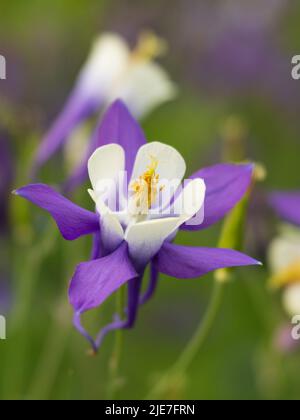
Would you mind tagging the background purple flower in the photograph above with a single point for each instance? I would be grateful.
(284, 342)
(5, 294)
(227, 48)
(6, 179)
(287, 206)
(233, 47)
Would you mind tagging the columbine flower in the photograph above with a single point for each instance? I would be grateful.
(287, 205)
(284, 252)
(140, 230)
(111, 71)
(284, 258)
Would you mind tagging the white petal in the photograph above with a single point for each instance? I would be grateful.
(146, 238)
(291, 299)
(171, 164)
(104, 167)
(92, 195)
(144, 87)
(171, 169)
(108, 60)
(190, 203)
(284, 250)
(112, 233)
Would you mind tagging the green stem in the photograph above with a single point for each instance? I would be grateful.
(27, 273)
(190, 352)
(203, 330)
(56, 340)
(114, 363)
(50, 360)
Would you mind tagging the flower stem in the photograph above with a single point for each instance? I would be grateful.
(203, 330)
(178, 370)
(115, 359)
(56, 339)
(50, 359)
(27, 271)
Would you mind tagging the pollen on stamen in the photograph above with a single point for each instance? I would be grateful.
(145, 188)
(149, 47)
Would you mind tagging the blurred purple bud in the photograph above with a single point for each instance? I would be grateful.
(283, 340)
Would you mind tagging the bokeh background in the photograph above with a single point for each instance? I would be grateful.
(232, 63)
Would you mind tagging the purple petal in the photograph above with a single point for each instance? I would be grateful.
(97, 249)
(94, 281)
(134, 288)
(80, 328)
(117, 126)
(185, 262)
(226, 184)
(149, 293)
(76, 110)
(72, 220)
(287, 205)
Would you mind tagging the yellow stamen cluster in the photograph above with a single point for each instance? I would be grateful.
(145, 187)
(290, 275)
(149, 46)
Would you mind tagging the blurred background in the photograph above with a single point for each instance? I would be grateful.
(231, 62)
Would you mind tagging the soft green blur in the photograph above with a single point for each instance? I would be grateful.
(44, 357)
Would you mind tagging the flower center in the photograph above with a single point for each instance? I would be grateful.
(149, 46)
(290, 275)
(144, 189)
